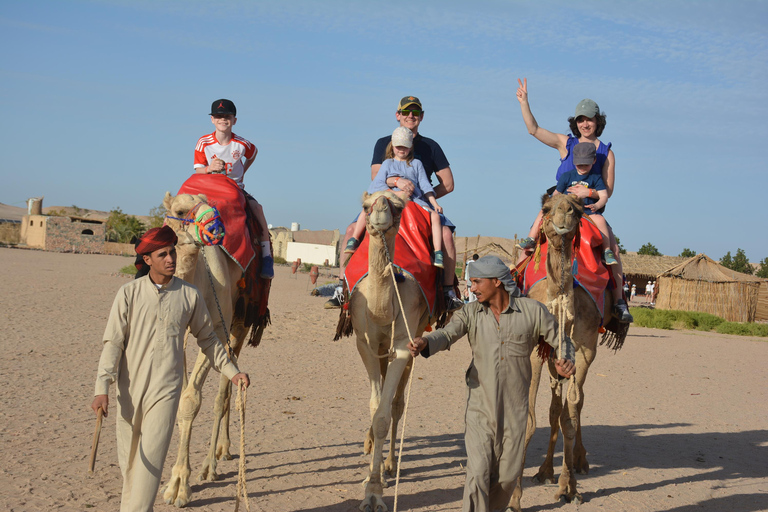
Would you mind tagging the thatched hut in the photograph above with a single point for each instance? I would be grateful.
(641, 268)
(701, 284)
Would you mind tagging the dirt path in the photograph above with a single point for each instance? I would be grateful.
(676, 421)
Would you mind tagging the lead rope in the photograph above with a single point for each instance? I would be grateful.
(241, 398)
(410, 378)
(242, 395)
(564, 315)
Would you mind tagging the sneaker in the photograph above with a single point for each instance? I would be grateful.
(267, 267)
(352, 244)
(526, 243)
(452, 303)
(610, 259)
(438, 259)
(337, 300)
(622, 312)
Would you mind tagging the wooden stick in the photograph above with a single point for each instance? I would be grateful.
(95, 446)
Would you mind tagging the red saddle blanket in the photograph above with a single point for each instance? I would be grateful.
(588, 269)
(413, 254)
(224, 195)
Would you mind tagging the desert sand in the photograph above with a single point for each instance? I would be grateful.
(675, 421)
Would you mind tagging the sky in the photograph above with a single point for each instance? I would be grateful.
(104, 101)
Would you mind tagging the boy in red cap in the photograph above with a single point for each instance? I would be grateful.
(143, 353)
(224, 152)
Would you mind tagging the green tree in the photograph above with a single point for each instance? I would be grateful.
(649, 249)
(122, 227)
(727, 260)
(763, 270)
(741, 263)
(157, 216)
(687, 253)
(622, 250)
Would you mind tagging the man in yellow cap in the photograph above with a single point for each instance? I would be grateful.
(143, 352)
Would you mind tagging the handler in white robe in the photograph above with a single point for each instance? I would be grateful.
(143, 352)
(503, 329)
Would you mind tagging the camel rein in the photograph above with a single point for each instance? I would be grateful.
(561, 303)
(392, 348)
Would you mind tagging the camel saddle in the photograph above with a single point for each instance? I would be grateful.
(241, 240)
(587, 268)
(413, 254)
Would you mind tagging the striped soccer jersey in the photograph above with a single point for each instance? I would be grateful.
(207, 147)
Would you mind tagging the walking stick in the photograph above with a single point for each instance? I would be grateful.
(95, 446)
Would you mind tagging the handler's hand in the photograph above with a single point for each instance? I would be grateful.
(406, 186)
(100, 401)
(417, 345)
(216, 165)
(565, 367)
(241, 377)
(579, 191)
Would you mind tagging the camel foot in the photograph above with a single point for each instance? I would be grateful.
(373, 503)
(177, 492)
(581, 466)
(565, 498)
(208, 471)
(390, 467)
(222, 451)
(543, 479)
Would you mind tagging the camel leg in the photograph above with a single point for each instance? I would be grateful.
(178, 492)
(530, 429)
(546, 473)
(580, 463)
(373, 501)
(374, 368)
(398, 406)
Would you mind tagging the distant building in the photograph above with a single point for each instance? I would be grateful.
(313, 247)
(63, 234)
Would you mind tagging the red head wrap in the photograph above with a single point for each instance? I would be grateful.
(156, 238)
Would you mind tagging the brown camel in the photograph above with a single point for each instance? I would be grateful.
(382, 338)
(221, 284)
(562, 215)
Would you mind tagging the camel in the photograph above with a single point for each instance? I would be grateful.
(375, 313)
(562, 215)
(221, 284)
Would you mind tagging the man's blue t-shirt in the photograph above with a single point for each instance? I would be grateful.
(427, 150)
(591, 181)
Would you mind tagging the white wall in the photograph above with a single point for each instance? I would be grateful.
(311, 253)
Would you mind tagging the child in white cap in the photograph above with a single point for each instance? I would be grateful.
(400, 163)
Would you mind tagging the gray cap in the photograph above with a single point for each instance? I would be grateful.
(584, 153)
(587, 108)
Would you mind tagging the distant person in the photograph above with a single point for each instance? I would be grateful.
(224, 152)
(648, 291)
(653, 293)
(633, 293)
(143, 353)
(587, 124)
(409, 115)
(470, 296)
(502, 329)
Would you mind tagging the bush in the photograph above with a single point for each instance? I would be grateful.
(279, 260)
(671, 319)
(129, 269)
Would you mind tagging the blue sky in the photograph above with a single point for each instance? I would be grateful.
(105, 100)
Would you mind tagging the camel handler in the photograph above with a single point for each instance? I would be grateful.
(503, 329)
(144, 353)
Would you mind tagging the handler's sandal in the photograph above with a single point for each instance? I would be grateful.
(267, 267)
(526, 243)
(610, 259)
(352, 244)
(622, 312)
(438, 259)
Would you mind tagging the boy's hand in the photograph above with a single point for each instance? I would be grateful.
(216, 165)
(592, 207)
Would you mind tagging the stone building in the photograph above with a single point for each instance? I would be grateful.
(63, 234)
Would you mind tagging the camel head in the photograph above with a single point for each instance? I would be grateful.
(179, 207)
(382, 212)
(562, 215)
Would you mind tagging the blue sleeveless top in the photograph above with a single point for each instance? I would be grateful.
(566, 164)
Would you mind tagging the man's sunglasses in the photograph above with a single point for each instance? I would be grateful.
(416, 113)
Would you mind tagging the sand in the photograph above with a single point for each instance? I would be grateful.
(675, 421)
